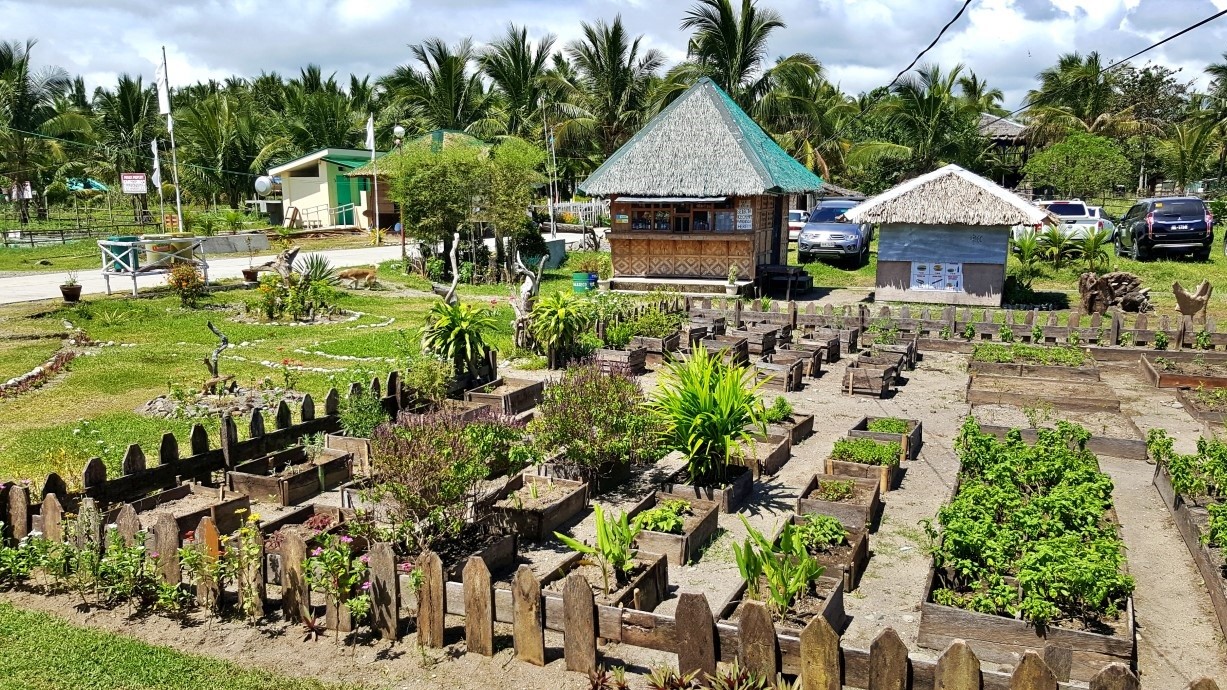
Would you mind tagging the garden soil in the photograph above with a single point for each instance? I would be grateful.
(1178, 636)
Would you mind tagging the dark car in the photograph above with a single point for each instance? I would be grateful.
(826, 235)
(1171, 225)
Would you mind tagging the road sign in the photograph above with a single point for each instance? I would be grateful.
(133, 183)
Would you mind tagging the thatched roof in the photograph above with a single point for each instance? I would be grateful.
(829, 189)
(1001, 129)
(948, 196)
(702, 145)
(436, 140)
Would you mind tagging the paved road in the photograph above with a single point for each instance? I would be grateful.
(36, 286)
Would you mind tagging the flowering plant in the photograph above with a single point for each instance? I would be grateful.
(333, 569)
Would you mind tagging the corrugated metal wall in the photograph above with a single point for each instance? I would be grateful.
(948, 244)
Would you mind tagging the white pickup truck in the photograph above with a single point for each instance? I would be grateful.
(1076, 217)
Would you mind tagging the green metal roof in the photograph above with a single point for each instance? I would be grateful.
(703, 144)
(352, 161)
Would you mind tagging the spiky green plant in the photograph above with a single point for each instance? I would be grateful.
(1057, 247)
(709, 410)
(1093, 249)
(557, 321)
(457, 332)
(612, 552)
(316, 268)
(1029, 250)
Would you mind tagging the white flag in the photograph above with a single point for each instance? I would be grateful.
(370, 133)
(163, 90)
(157, 166)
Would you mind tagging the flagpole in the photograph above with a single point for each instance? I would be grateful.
(375, 175)
(174, 158)
(157, 168)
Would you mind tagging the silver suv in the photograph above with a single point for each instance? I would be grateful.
(825, 235)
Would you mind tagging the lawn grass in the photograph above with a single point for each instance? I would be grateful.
(20, 356)
(39, 652)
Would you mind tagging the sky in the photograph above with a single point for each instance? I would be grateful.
(861, 43)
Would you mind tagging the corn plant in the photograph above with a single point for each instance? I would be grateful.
(708, 409)
(613, 551)
(786, 566)
(457, 333)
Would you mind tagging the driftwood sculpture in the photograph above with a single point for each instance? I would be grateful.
(210, 362)
(449, 293)
(1124, 291)
(283, 265)
(523, 305)
(1196, 303)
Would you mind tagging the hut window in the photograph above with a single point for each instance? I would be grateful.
(641, 220)
(662, 221)
(701, 222)
(724, 221)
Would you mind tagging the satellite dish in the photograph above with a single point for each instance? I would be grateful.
(264, 185)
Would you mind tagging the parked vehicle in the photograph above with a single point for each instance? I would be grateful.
(1076, 217)
(826, 234)
(1172, 225)
(796, 221)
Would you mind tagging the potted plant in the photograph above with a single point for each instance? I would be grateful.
(250, 275)
(70, 289)
(731, 289)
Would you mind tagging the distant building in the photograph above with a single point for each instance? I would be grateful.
(1010, 147)
(944, 237)
(317, 192)
(699, 191)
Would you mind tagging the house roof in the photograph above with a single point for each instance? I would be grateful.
(347, 157)
(701, 145)
(948, 196)
(829, 189)
(1000, 129)
(436, 140)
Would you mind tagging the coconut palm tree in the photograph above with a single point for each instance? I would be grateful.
(220, 147)
(125, 122)
(446, 90)
(934, 125)
(34, 108)
(604, 99)
(1188, 151)
(976, 92)
(1077, 94)
(517, 68)
(1218, 72)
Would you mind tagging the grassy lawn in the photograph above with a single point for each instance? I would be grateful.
(20, 356)
(38, 652)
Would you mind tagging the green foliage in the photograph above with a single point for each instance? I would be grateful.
(1081, 165)
(1216, 527)
(785, 566)
(613, 553)
(557, 321)
(654, 323)
(335, 569)
(668, 517)
(888, 425)
(1037, 334)
(296, 297)
(1202, 340)
(529, 242)
(1042, 355)
(1057, 247)
(1093, 249)
(618, 335)
(316, 268)
(867, 451)
(835, 490)
(436, 188)
(885, 332)
(780, 410)
(1005, 333)
(1027, 535)
(458, 332)
(360, 415)
(187, 283)
(1198, 475)
(597, 419)
(512, 171)
(428, 377)
(708, 409)
(1161, 340)
(821, 532)
(1030, 252)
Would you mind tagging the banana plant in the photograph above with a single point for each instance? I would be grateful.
(786, 566)
(613, 551)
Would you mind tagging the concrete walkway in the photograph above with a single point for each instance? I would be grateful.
(36, 286)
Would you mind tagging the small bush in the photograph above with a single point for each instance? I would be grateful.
(888, 425)
(780, 410)
(866, 451)
(360, 415)
(187, 283)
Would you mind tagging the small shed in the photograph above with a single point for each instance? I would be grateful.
(944, 237)
(318, 193)
(700, 192)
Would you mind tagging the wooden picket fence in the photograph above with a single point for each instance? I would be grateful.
(1115, 329)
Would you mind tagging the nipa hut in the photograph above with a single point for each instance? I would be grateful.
(699, 192)
(944, 237)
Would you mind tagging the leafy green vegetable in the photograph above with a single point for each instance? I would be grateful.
(780, 410)
(1029, 354)
(835, 489)
(668, 517)
(888, 425)
(821, 532)
(867, 451)
(613, 551)
(786, 566)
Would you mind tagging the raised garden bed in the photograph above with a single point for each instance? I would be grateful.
(1057, 363)
(797, 427)
(188, 503)
(659, 350)
(1166, 372)
(908, 349)
(1021, 391)
(357, 446)
(467, 410)
(729, 496)
(606, 477)
(290, 477)
(867, 380)
(826, 599)
(759, 339)
(509, 396)
(632, 359)
(646, 587)
(810, 360)
(308, 522)
(910, 440)
(1127, 448)
(828, 345)
(867, 458)
(535, 507)
(882, 360)
(780, 377)
(1206, 407)
(352, 499)
(498, 548)
(770, 454)
(697, 529)
(854, 501)
(845, 562)
(1192, 519)
(732, 349)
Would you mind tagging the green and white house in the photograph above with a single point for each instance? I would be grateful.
(317, 191)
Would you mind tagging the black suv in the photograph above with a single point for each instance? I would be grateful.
(1176, 225)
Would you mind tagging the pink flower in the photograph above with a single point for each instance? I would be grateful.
(366, 586)
(346, 539)
(153, 554)
(405, 567)
(365, 558)
(317, 551)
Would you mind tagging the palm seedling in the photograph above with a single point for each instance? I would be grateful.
(1027, 248)
(457, 332)
(613, 553)
(557, 321)
(1094, 250)
(1057, 246)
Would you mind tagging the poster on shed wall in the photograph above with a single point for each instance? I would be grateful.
(935, 276)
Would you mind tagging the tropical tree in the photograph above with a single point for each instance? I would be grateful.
(934, 126)
(1188, 151)
(517, 68)
(125, 122)
(1079, 95)
(446, 90)
(435, 189)
(557, 321)
(35, 120)
(979, 95)
(1081, 165)
(220, 147)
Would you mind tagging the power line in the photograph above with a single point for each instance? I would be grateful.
(1118, 63)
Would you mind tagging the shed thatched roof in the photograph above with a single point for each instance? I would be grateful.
(829, 189)
(1000, 128)
(948, 196)
(702, 145)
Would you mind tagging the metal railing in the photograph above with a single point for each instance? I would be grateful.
(150, 257)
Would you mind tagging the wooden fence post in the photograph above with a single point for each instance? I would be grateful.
(134, 460)
(888, 662)
(208, 592)
(478, 607)
(957, 668)
(1060, 660)
(199, 440)
(1032, 674)
(53, 519)
(166, 546)
(127, 524)
(759, 651)
(1115, 677)
(18, 515)
(528, 623)
(255, 575)
(255, 426)
(579, 624)
(431, 604)
(696, 648)
(295, 596)
(284, 418)
(308, 408)
(229, 439)
(168, 449)
(820, 661)
(332, 403)
(94, 474)
(90, 526)
(385, 591)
